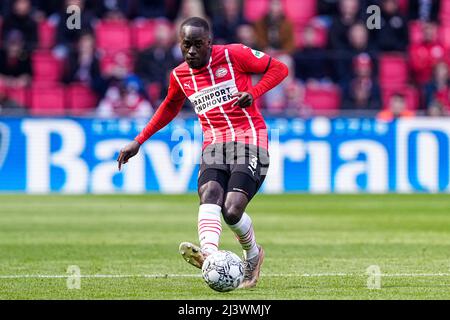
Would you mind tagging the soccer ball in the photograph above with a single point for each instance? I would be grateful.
(223, 271)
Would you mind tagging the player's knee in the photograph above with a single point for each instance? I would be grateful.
(232, 211)
(212, 193)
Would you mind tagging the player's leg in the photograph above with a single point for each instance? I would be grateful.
(246, 177)
(241, 224)
(211, 185)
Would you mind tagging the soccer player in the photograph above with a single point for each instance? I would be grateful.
(217, 81)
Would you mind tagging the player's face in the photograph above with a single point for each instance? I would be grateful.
(195, 45)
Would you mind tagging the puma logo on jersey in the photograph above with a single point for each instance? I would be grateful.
(187, 85)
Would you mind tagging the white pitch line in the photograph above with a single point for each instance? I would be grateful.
(163, 276)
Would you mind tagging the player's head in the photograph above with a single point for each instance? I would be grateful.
(195, 42)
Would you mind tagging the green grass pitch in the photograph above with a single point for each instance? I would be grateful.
(317, 246)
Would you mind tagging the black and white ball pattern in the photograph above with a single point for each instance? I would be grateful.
(223, 271)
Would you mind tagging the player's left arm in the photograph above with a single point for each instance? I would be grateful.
(253, 61)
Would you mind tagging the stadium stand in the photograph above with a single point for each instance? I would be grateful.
(18, 94)
(300, 12)
(46, 67)
(81, 99)
(119, 41)
(394, 71)
(48, 99)
(324, 99)
(113, 35)
(255, 9)
(46, 34)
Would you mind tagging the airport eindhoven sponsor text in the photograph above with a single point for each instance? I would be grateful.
(316, 155)
(214, 96)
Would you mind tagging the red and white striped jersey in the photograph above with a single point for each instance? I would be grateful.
(210, 89)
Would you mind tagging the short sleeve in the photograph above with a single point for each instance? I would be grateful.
(248, 59)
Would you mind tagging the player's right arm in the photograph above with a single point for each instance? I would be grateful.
(168, 110)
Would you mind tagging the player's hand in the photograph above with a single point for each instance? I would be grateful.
(130, 150)
(244, 100)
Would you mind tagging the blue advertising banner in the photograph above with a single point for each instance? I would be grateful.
(319, 155)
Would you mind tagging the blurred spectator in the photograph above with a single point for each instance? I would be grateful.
(48, 7)
(327, 7)
(155, 63)
(116, 9)
(397, 108)
(393, 35)
(310, 61)
(438, 90)
(274, 32)
(225, 24)
(66, 38)
(190, 8)
(424, 56)
(349, 14)
(83, 65)
(436, 109)
(117, 67)
(285, 98)
(15, 62)
(363, 92)
(358, 36)
(8, 105)
(21, 19)
(125, 99)
(246, 35)
(151, 8)
(425, 10)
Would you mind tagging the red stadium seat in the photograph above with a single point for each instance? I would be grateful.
(119, 59)
(19, 95)
(113, 35)
(154, 92)
(394, 71)
(445, 12)
(143, 33)
(80, 98)
(300, 12)
(323, 99)
(3, 88)
(46, 35)
(403, 6)
(444, 36)
(411, 94)
(321, 36)
(255, 9)
(46, 67)
(47, 99)
(415, 32)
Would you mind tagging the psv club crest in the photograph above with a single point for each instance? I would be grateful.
(221, 72)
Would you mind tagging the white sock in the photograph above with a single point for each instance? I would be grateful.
(246, 236)
(209, 227)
